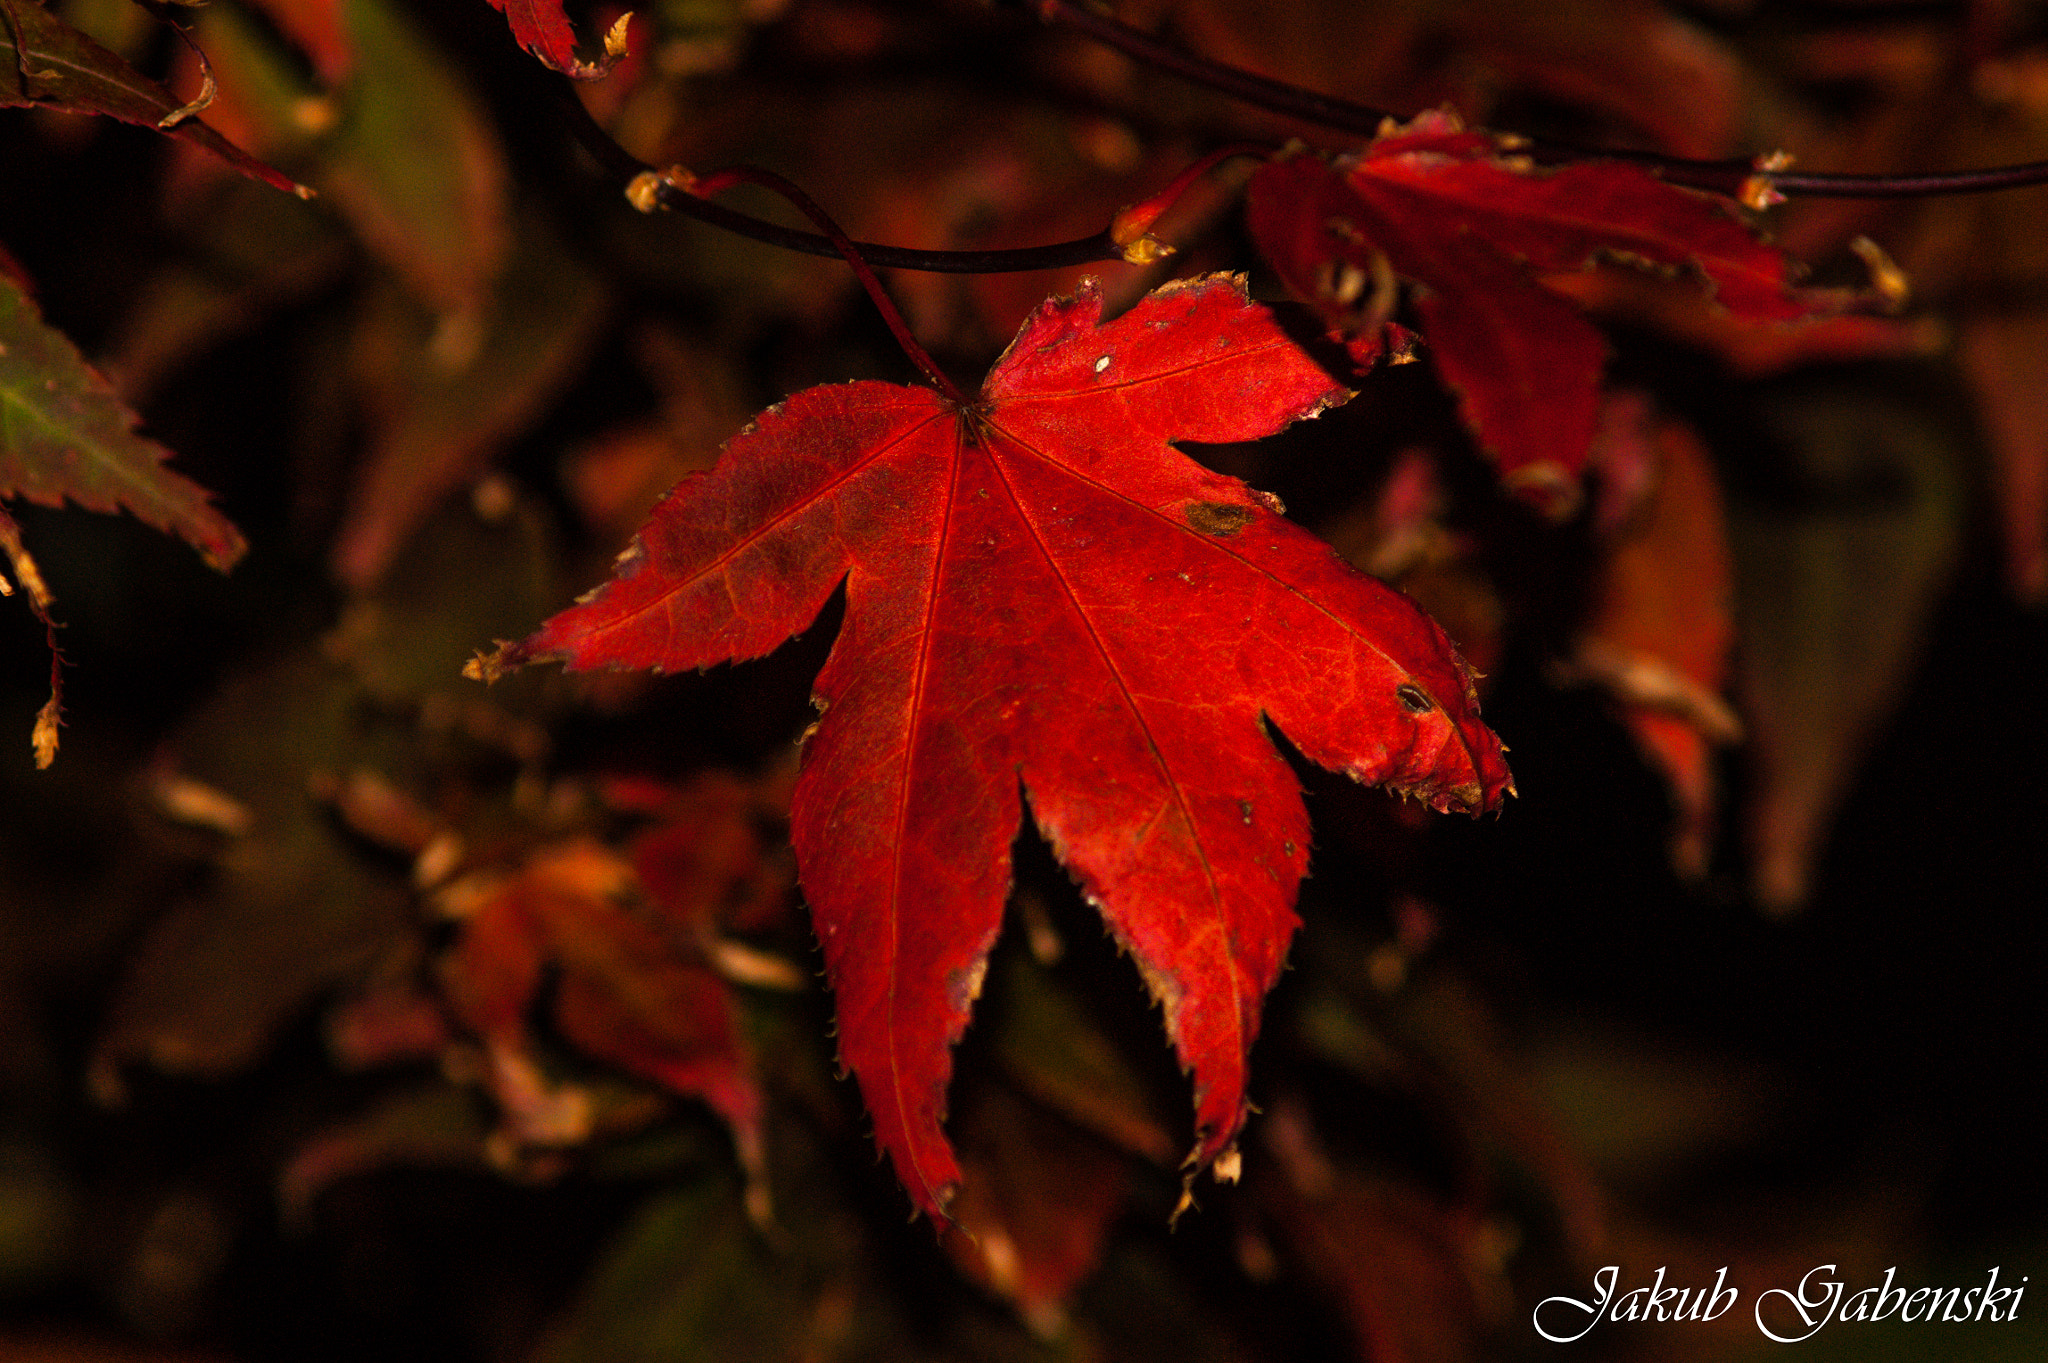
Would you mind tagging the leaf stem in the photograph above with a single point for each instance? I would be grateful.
(51, 717)
(705, 186)
(1131, 228)
(1343, 115)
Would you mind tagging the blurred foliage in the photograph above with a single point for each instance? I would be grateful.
(351, 1010)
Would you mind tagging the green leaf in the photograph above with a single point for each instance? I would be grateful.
(65, 436)
(416, 165)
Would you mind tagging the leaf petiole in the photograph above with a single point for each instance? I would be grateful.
(1131, 228)
(644, 192)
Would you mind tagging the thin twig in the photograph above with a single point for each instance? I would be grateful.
(703, 187)
(616, 160)
(51, 717)
(1131, 228)
(1282, 98)
(1343, 115)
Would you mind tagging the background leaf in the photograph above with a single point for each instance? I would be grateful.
(1839, 556)
(65, 436)
(44, 60)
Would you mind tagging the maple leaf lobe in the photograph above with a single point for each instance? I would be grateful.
(1033, 603)
(1475, 229)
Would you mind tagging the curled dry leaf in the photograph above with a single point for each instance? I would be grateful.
(1042, 593)
(45, 61)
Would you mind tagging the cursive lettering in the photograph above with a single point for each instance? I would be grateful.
(1787, 1315)
(1654, 1302)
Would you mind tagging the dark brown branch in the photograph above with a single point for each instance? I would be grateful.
(1279, 96)
(1914, 186)
(615, 160)
(1343, 115)
(1733, 178)
(718, 181)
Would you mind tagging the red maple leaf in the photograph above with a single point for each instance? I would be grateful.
(1473, 225)
(542, 29)
(1042, 593)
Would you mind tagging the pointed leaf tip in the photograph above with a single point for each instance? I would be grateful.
(68, 437)
(45, 61)
(544, 30)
